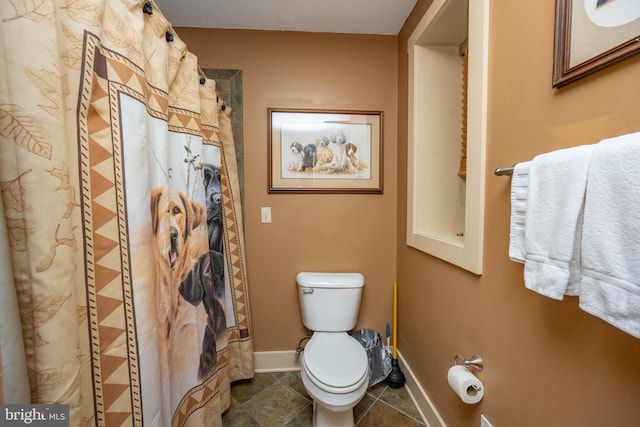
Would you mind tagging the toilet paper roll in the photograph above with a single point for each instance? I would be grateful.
(465, 384)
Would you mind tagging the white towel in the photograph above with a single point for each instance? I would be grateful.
(557, 184)
(519, 192)
(610, 285)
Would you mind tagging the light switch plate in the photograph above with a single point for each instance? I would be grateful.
(265, 214)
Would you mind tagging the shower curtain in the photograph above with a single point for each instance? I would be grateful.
(123, 286)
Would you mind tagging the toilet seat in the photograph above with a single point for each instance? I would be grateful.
(335, 362)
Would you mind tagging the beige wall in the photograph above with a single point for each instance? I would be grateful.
(547, 363)
(310, 232)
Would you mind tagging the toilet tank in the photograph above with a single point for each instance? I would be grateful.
(329, 302)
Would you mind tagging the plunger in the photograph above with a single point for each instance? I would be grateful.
(395, 379)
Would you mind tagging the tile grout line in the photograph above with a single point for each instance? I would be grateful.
(307, 398)
(375, 399)
(397, 408)
(297, 413)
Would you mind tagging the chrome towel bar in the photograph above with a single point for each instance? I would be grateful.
(504, 171)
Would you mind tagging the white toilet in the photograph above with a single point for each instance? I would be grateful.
(334, 367)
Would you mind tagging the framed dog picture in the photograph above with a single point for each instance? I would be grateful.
(325, 151)
(593, 34)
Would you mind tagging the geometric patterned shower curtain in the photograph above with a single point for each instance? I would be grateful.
(122, 268)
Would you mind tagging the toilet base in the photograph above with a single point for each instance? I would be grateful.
(323, 417)
(337, 410)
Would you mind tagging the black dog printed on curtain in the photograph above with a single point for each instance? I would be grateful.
(213, 200)
(205, 282)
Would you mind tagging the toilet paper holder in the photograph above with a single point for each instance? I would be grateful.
(475, 362)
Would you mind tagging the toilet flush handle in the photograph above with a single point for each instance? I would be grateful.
(307, 290)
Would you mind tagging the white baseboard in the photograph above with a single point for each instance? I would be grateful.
(281, 361)
(425, 406)
(275, 361)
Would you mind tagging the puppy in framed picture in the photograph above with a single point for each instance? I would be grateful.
(297, 152)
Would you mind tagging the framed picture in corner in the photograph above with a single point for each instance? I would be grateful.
(593, 34)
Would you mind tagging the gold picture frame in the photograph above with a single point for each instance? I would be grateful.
(591, 35)
(325, 151)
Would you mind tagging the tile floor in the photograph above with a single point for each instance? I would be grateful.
(279, 399)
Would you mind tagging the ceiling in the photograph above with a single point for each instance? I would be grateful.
(330, 16)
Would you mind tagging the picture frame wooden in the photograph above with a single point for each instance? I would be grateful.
(325, 151)
(591, 35)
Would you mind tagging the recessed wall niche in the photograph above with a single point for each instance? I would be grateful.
(229, 87)
(447, 104)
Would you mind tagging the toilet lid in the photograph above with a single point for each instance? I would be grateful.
(336, 360)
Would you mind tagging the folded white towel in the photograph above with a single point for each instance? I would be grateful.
(519, 192)
(610, 285)
(557, 184)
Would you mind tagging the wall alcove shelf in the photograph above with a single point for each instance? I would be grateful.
(446, 212)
